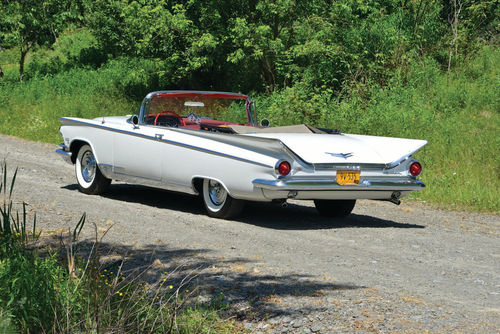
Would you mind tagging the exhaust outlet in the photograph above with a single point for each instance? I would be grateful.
(395, 197)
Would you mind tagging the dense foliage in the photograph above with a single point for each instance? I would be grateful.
(414, 68)
(271, 44)
(261, 45)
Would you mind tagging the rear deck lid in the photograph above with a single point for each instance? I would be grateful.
(346, 148)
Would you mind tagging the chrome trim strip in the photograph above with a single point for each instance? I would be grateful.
(401, 160)
(194, 92)
(347, 165)
(340, 155)
(136, 176)
(330, 185)
(197, 148)
(157, 183)
(106, 169)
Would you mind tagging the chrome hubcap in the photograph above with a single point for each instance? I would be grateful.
(217, 192)
(88, 165)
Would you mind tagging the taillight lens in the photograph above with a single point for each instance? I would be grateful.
(415, 169)
(284, 168)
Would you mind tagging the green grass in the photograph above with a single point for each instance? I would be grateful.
(32, 109)
(458, 115)
(42, 291)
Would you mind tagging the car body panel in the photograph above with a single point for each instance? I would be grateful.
(244, 163)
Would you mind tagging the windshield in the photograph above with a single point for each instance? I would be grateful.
(193, 108)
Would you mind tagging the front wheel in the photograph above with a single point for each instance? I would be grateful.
(218, 203)
(334, 208)
(89, 177)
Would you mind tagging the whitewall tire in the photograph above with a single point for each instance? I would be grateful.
(218, 203)
(89, 177)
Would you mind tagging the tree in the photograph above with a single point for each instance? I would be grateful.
(1, 71)
(30, 23)
(453, 19)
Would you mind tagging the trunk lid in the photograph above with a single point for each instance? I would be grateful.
(317, 148)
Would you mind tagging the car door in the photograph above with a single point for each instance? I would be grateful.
(137, 153)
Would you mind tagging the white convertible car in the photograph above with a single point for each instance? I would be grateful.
(209, 143)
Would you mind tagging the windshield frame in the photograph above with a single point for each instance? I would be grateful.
(249, 104)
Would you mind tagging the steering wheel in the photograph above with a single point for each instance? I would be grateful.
(178, 119)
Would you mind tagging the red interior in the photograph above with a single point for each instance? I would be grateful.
(188, 124)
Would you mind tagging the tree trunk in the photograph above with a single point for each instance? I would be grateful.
(453, 19)
(21, 63)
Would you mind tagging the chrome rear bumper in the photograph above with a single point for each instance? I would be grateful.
(331, 185)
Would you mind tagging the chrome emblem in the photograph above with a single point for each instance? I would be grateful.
(340, 155)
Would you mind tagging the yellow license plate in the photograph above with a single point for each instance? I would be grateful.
(348, 177)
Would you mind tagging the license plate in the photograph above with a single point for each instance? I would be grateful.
(348, 177)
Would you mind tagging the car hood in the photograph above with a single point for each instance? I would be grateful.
(346, 148)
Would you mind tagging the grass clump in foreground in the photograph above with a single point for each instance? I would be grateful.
(41, 292)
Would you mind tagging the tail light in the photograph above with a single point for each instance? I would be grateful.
(415, 169)
(284, 168)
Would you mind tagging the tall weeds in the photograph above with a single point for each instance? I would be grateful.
(42, 291)
(27, 281)
(13, 228)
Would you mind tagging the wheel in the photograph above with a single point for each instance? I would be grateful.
(89, 177)
(218, 202)
(334, 208)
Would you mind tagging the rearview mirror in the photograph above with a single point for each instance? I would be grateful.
(194, 104)
(134, 119)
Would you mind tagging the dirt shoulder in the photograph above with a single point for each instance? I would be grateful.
(385, 268)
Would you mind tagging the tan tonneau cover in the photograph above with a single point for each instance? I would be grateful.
(301, 128)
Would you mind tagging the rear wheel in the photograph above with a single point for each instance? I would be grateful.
(89, 177)
(334, 208)
(218, 203)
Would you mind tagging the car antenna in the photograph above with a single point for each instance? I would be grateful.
(103, 114)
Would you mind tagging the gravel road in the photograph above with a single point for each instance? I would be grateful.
(387, 268)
